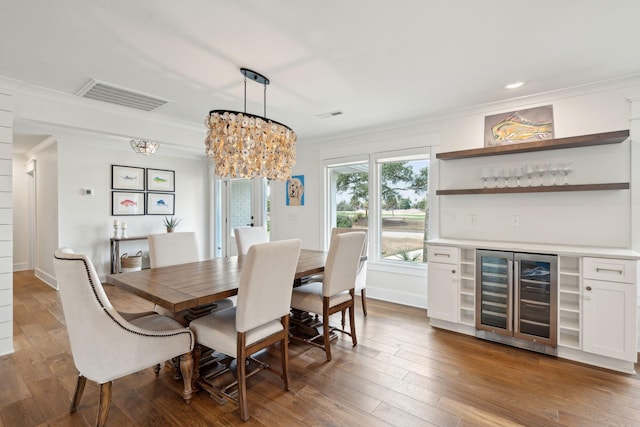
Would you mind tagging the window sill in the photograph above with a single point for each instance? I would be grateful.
(399, 267)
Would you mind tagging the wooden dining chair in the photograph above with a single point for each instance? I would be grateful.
(104, 345)
(247, 236)
(261, 317)
(168, 249)
(337, 290)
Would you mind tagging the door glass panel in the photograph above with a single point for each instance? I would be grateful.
(494, 291)
(535, 298)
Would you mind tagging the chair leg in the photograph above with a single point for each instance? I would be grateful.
(363, 297)
(105, 402)
(325, 327)
(343, 318)
(186, 368)
(284, 354)
(241, 365)
(82, 380)
(352, 323)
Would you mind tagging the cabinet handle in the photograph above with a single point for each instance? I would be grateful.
(453, 271)
(442, 254)
(598, 270)
(588, 288)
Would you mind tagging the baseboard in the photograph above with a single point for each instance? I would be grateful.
(46, 278)
(404, 298)
(6, 346)
(21, 266)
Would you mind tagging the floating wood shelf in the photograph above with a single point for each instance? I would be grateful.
(539, 189)
(548, 144)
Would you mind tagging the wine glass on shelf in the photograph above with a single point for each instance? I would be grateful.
(495, 174)
(540, 171)
(506, 176)
(485, 174)
(566, 169)
(529, 171)
(518, 172)
(553, 170)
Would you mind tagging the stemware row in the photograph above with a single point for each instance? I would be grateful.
(529, 175)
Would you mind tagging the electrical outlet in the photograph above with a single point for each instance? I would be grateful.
(515, 220)
(474, 219)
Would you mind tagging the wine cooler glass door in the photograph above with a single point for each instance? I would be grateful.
(535, 308)
(494, 291)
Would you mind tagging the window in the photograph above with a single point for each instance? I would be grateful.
(392, 205)
(349, 195)
(402, 208)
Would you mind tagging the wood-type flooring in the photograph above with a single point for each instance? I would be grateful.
(403, 372)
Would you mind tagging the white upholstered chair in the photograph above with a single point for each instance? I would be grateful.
(337, 290)
(167, 249)
(261, 317)
(104, 345)
(247, 236)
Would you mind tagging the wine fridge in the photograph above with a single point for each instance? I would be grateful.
(516, 299)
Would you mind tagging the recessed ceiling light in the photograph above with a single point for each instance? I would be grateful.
(514, 85)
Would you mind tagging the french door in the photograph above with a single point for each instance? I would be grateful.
(242, 203)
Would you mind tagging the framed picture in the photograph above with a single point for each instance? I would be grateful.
(295, 191)
(532, 124)
(124, 203)
(161, 204)
(127, 178)
(160, 180)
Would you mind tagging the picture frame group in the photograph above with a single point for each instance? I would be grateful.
(142, 191)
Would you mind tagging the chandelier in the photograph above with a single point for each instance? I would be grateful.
(249, 146)
(144, 147)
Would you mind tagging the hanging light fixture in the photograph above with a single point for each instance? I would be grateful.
(144, 147)
(248, 146)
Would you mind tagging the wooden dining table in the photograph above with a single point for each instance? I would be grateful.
(200, 284)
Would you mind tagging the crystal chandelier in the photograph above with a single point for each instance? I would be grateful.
(248, 146)
(144, 147)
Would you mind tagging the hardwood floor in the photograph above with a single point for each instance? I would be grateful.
(402, 372)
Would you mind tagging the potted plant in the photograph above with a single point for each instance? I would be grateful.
(171, 222)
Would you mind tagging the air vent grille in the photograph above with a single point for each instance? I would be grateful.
(107, 92)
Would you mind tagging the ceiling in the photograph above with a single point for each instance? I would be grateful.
(376, 61)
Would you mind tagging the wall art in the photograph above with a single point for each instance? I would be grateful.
(127, 178)
(127, 203)
(295, 191)
(160, 180)
(161, 204)
(532, 124)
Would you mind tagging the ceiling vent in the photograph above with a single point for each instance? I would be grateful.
(329, 114)
(107, 92)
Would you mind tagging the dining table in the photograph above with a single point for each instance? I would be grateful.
(198, 285)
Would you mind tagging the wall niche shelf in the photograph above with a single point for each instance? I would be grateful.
(540, 189)
(547, 144)
(529, 147)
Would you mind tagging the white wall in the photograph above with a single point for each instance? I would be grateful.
(20, 220)
(6, 223)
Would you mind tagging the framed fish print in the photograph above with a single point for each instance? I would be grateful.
(160, 180)
(532, 124)
(125, 203)
(127, 178)
(161, 204)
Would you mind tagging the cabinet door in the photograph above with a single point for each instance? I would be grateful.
(442, 292)
(609, 319)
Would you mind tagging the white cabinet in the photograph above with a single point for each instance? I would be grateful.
(609, 308)
(442, 286)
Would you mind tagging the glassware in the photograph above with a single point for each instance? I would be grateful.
(529, 170)
(517, 172)
(485, 174)
(541, 170)
(553, 170)
(566, 169)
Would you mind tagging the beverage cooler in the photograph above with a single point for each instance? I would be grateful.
(516, 299)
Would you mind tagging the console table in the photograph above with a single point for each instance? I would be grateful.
(115, 250)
